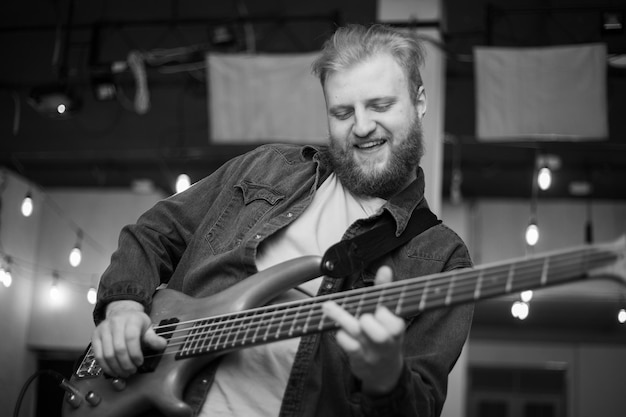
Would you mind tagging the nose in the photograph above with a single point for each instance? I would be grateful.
(363, 124)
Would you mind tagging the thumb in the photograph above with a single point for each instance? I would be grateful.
(153, 340)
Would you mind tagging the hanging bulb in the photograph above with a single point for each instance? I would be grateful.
(7, 279)
(76, 254)
(544, 178)
(621, 316)
(92, 295)
(27, 205)
(55, 293)
(3, 274)
(526, 296)
(532, 234)
(520, 310)
(182, 182)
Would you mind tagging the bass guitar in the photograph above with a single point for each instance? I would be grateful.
(199, 330)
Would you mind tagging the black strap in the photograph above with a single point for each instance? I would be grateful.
(353, 255)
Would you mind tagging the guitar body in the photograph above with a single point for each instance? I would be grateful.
(162, 388)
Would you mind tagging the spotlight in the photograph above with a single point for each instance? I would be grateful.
(55, 101)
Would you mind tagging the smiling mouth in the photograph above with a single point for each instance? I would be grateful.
(370, 144)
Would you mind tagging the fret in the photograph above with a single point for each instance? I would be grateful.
(479, 282)
(509, 279)
(450, 291)
(359, 306)
(424, 295)
(246, 326)
(294, 321)
(281, 322)
(544, 271)
(306, 321)
(398, 310)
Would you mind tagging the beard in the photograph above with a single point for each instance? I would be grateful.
(385, 182)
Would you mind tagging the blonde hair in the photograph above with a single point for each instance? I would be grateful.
(353, 44)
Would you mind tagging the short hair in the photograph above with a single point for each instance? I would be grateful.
(352, 44)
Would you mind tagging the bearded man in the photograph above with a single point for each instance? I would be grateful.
(281, 202)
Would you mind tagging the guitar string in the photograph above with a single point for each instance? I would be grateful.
(228, 323)
(368, 300)
(225, 331)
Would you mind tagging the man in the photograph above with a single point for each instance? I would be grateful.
(284, 201)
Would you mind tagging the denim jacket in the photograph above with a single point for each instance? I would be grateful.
(205, 239)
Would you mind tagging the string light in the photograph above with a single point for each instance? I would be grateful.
(520, 310)
(182, 182)
(621, 316)
(55, 292)
(92, 295)
(76, 254)
(532, 234)
(526, 296)
(544, 178)
(27, 205)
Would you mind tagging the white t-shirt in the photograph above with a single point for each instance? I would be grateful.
(251, 381)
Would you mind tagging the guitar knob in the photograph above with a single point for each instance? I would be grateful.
(119, 384)
(93, 398)
(73, 399)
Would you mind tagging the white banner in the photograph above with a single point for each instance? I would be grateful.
(264, 98)
(550, 93)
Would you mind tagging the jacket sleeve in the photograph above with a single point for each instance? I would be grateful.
(149, 250)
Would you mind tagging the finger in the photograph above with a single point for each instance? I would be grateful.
(340, 316)
(109, 361)
(384, 275)
(96, 347)
(394, 324)
(154, 341)
(124, 342)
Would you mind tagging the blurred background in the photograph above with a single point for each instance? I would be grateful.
(105, 106)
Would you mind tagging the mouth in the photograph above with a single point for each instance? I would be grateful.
(370, 144)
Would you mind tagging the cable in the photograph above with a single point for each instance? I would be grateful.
(54, 374)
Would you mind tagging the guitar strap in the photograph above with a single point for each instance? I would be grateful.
(353, 255)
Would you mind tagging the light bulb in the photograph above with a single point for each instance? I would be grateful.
(526, 296)
(61, 108)
(544, 178)
(532, 234)
(182, 182)
(55, 293)
(621, 316)
(519, 310)
(76, 256)
(27, 206)
(92, 295)
(7, 279)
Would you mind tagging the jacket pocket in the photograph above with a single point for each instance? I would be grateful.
(247, 203)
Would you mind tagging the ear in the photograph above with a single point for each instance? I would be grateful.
(421, 102)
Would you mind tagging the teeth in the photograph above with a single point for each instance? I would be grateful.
(371, 144)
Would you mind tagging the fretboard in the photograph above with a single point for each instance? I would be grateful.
(404, 297)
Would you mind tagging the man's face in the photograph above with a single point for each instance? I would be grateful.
(375, 128)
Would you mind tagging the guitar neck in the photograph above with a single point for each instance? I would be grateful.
(404, 298)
